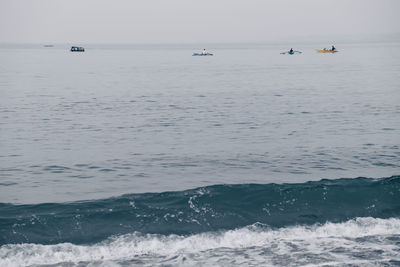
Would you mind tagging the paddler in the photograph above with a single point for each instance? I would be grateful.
(333, 48)
(291, 51)
(204, 52)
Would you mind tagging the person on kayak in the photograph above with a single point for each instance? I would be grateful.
(291, 51)
(204, 52)
(333, 48)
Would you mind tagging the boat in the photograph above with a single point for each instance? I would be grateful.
(326, 51)
(201, 54)
(77, 49)
(291, 52)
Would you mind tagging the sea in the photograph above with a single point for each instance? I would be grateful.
(144, 155)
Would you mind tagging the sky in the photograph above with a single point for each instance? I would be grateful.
(188, 21)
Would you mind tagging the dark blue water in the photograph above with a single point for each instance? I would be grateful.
(206, 209)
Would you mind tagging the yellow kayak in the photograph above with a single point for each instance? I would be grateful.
(326, 51)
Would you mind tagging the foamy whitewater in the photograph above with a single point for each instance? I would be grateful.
(353, 242)
(144, 155)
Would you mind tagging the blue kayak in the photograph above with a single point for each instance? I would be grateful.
(201, 54)
(291, 52)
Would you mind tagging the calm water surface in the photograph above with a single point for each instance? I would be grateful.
(117, 120)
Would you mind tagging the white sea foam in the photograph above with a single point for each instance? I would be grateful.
(363, 241)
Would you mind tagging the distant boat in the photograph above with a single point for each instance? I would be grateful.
(77, 49)
(326, 51)
(291, 52)
(49, 45)
(201, 54)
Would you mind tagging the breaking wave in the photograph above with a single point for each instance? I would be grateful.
(334, 222)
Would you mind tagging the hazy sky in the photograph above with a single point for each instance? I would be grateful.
(188, 21)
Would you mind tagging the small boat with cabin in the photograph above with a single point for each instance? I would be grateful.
(77, 49)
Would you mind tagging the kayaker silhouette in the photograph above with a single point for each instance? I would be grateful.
(333, 48)
(291, 51)
(204, 52)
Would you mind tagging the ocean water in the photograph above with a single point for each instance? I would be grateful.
(145, 155)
